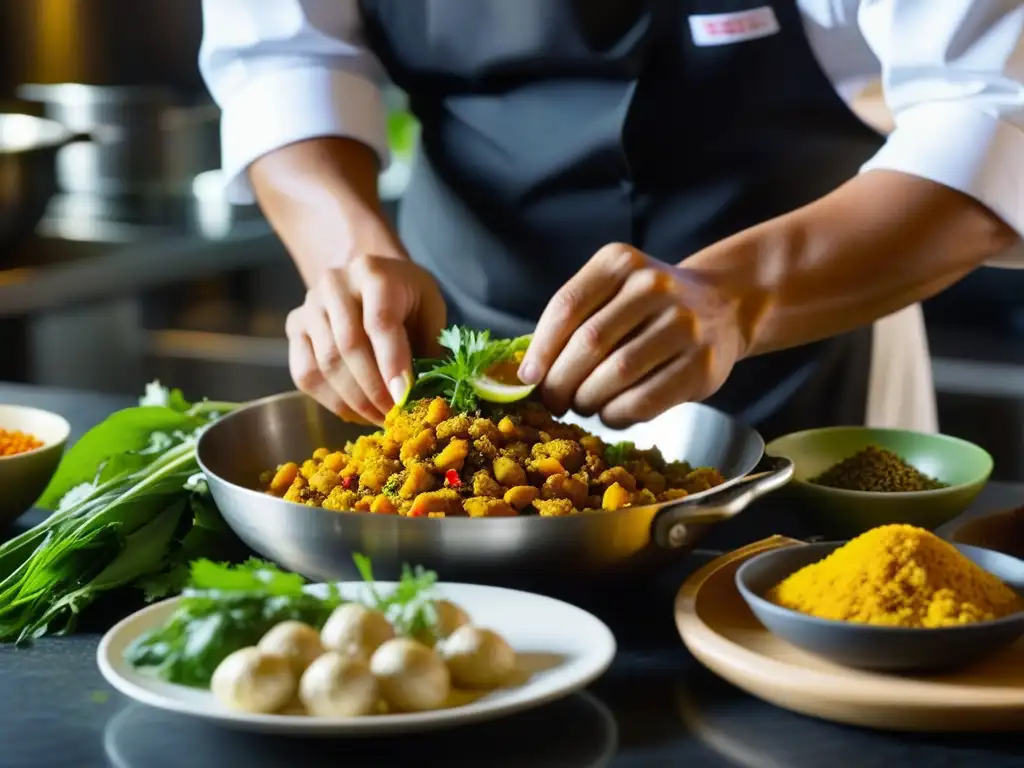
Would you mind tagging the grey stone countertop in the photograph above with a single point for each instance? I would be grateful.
(655, 707)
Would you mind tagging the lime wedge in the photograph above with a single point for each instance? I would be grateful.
(494, 391)
(501, 384)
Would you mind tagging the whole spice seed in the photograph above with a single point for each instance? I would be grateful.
(14, 441)
(876, 469)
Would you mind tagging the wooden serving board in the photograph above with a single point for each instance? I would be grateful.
(722, 633)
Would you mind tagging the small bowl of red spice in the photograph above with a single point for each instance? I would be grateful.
(31, 445)
(849, 480)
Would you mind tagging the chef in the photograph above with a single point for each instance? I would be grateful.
(673, 195)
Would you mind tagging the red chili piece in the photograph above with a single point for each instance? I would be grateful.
(452, 478)
(348, 482)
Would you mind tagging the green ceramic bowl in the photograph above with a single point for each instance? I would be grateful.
(839, 514)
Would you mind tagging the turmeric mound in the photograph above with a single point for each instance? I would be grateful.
(900, 576)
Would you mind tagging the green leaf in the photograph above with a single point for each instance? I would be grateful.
(136, 557)
(61, 566)
(205, 514)
(127, 498)
(409, 606)
(619, 453)
(225, 608)
(142, 550)
(365, 568)
(205, 536)
(157, 394)
(129, 430)
(165, 584)
(251, 576)
(473, 353)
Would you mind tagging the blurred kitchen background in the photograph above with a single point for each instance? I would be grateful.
(139, 269)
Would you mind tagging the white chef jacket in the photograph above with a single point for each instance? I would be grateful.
(952, 74)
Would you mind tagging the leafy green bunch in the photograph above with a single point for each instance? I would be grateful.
(130, 506)
(473, 353)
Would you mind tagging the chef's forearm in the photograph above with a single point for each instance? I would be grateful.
(881, 242)
(321, 198)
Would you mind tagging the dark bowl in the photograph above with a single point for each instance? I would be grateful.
(1001, 531)
(888, 649)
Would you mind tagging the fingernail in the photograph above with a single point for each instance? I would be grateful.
(399, 386)
(529, 373)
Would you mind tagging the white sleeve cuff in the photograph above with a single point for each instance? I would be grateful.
(282, 106)
(963, 148)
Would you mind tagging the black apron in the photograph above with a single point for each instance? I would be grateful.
(553, 127)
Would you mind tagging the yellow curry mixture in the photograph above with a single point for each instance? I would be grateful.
(429, 461)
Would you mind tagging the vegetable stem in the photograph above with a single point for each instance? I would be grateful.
(123, 512)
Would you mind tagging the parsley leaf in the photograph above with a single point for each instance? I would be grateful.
(392, 485)
(225, 608)
(228, 607)
(410, 606)
(473, 353)
(619, 453)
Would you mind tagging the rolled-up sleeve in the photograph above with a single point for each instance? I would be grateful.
(953, 76)
(287, 70)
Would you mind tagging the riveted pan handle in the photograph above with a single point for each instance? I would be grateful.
(671, 524)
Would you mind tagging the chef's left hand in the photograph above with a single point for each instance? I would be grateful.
(629, 336)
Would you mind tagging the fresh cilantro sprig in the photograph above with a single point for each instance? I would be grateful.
(225, 608)
(619, 453)
(473, 353)
(409, 607)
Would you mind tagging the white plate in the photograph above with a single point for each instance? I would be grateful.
(563, 647)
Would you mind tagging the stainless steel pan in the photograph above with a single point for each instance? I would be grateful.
(319, 543)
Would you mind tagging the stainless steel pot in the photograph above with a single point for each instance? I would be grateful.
(145, 141)
(319, 543)
(28, 152)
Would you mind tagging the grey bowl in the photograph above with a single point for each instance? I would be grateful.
(889, 649)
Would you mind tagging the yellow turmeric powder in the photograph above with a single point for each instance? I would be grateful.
(897, 575)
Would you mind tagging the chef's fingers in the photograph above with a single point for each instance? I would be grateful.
(660, 342)
(646, 293)
(307, 376)
(678, 381)
(352, 352)
(333, 363)
(388, 291)
(347, 414)
(588, 290)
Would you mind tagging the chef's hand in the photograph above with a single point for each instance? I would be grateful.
(350, 344)
(628, 337)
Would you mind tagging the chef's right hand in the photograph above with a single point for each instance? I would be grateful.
(350, 344)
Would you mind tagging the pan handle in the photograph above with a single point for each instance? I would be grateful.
(671, 525)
